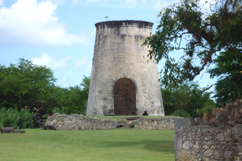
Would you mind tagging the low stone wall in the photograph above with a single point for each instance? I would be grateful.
(154, 123)
(79, 122)
(216, 137)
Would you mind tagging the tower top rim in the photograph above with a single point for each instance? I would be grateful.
(120, 23)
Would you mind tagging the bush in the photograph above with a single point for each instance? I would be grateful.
(132, 125)
(205, 109)
(14, 118)
(181, 113)
(69, 110)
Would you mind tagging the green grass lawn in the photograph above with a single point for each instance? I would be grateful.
(88, 145)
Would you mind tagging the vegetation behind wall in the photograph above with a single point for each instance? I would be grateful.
(26, 85)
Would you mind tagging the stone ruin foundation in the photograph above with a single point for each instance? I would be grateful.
(79, 122)
(216, 137)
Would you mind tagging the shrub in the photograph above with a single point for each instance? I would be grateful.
(181, 113)
(62, 110)
(14, 118)
(69, 110)
(132, 125)
(205, 109)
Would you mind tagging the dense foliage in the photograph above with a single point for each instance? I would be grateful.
(73, 99)
(205, 37)
(229, 72)
(181, 113)
(187, 97)
(13, 118)
(25, 85)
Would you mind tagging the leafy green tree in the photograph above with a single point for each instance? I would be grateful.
(202, 37)
(229, 72)
(72, 99)
(85, 91)
(181, 113)
(25, 84)
(28, 85)
(188, 97)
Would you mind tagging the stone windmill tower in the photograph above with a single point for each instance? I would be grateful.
(123, 81)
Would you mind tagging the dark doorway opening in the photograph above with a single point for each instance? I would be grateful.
(124, 97)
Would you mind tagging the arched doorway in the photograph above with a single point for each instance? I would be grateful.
(124, 97)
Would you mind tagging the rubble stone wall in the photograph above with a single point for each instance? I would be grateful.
(154, 123)
(79, 122)
(216, 137)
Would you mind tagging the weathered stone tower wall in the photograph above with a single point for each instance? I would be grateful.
(123, 81)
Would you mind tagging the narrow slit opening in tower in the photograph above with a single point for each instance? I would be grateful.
(124, 97)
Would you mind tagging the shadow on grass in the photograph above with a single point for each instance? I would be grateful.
(153, 145)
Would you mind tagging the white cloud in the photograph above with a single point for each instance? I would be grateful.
(1, 2)
(159, 5)
(94, 1)
(28, 21)
(206, 4)
(50, 61)
(84, 64)
(58, 1)
(152, 4)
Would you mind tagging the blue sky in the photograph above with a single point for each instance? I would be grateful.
(61, 33)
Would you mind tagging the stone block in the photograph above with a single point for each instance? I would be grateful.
(182, 125)
(55, 115)
(237, 158)
(220, 137)
(196, 145)
(208, 153)
(187, 145)
(228, 155)
(237, 131)
(199, 121)
(217, 111)
(177, 142)
(216, 154)
(54, 121)
(184, 155)
(229, 109)
(240, 148)
(205, 159)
